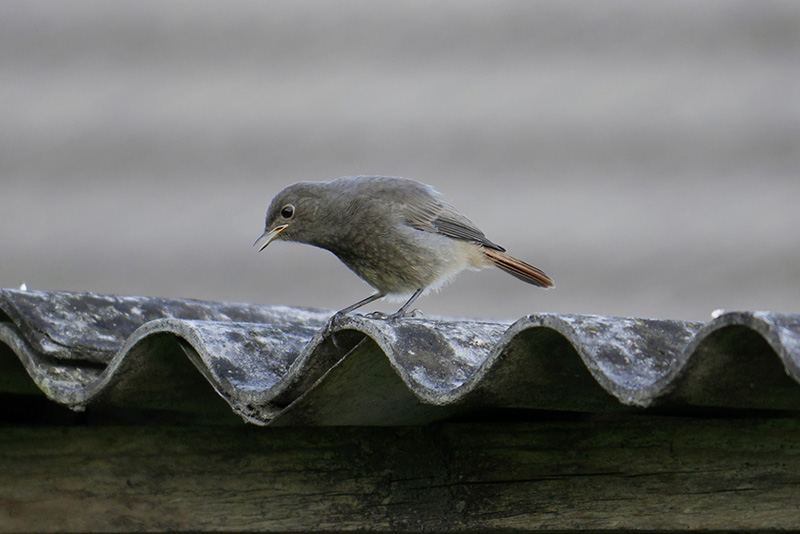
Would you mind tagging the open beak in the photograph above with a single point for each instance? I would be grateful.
(269, 236)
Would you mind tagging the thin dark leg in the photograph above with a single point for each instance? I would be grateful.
(402, 311)
(360, 303)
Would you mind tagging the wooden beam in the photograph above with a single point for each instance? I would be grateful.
(654, 473)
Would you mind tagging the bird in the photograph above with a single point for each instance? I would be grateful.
(397, 234)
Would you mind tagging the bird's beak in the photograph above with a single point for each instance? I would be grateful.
(269, 236)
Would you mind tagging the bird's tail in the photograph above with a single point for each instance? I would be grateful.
(518, 268)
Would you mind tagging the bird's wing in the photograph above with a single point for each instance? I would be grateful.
(427, 212)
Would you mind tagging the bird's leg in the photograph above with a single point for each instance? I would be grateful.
(371, 298)
(402, 311)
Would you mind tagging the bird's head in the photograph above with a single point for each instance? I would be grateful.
(294, 215)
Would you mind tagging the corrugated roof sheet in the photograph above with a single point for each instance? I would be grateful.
(282, 365)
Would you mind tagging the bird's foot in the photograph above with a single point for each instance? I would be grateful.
(338, 316)
(378, 315)
(416, 312)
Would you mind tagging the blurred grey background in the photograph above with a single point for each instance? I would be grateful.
(644, 154)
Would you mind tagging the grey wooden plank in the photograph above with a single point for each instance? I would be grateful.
(593, 474)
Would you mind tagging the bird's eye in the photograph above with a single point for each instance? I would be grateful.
(287, 211)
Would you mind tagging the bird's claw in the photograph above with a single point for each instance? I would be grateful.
(416, 312)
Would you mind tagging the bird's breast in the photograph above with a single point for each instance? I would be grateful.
(400, 260)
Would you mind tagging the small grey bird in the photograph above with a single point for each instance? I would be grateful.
(396, 234)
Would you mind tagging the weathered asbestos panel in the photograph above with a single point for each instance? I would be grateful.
(298, 366)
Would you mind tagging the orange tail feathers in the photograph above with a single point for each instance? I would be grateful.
(518, 268)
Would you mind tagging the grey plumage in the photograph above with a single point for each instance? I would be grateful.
(396, 234)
